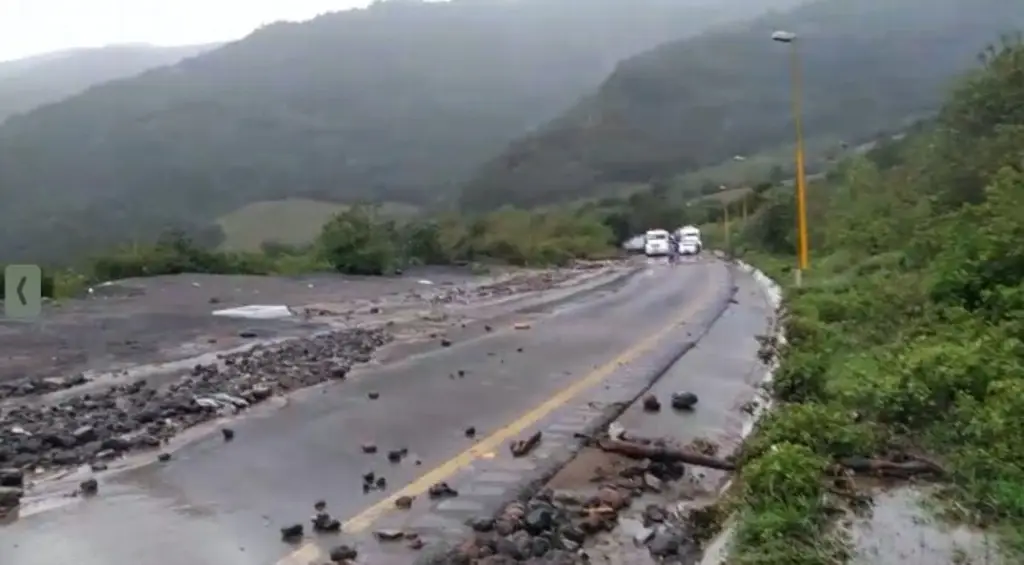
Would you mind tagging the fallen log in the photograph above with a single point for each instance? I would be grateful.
(890, 469)
(858, 465)
(640, 451)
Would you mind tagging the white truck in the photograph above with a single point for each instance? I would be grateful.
(657, 243)
(689, 240)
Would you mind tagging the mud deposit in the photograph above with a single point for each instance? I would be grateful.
(902, 531)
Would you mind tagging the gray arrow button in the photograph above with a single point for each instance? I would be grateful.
(23, 298)
(21, 290)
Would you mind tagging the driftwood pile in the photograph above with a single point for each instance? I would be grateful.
(907, 467)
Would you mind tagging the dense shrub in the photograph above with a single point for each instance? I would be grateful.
(909, 328)
(361, 241)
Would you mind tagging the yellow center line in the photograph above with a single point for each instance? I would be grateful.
(309, 552)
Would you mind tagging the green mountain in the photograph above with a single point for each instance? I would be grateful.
(397, 102)
(43, 79)
(866, 66)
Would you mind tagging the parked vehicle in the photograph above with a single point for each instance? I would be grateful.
(689, 240)
(657, 243)
(635, 244)
(689, 247)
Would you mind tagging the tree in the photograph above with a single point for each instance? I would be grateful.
(356, 242)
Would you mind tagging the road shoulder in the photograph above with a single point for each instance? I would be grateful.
(719, 362)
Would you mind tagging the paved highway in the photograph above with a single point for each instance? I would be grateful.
(223, 503)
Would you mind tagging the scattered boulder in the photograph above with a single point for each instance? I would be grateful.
(612, 498)
(343, 553)
(12, 478)
(441, 490)
(89, 487)
(482, 525)
(684, 400)
(10, 498)
(325, 523)
(292, 533)
(389, 535)
(373, 395)
(665, 543)
(470, 432)
(704, 446)
(369, 447)
(228, 433)
(651, 403)
(654, 514)
(404, 502)
(523, 447)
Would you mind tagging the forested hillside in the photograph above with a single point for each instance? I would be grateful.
(396, 102)
(867, 66)
(34, 81)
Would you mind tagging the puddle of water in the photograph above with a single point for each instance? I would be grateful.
(901, 531)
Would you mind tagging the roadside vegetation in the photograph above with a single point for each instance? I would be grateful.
(361, 240)
(377, 240)
(906, 338)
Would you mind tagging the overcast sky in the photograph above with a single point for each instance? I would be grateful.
(28, 27)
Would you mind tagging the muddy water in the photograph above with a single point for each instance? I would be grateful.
(902, 531)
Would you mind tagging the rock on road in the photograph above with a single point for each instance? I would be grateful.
(224, 502)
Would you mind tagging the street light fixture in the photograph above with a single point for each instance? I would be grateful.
(790, 38)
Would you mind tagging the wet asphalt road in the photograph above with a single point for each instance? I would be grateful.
(223, 503)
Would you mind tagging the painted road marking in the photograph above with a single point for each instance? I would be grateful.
(308, 554)
(492, 443)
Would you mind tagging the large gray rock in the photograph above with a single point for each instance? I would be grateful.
(10, 497)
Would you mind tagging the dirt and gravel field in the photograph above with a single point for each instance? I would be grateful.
(164, 318)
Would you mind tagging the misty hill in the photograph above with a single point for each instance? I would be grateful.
(397, 102)
(42, 79)
(867, 66)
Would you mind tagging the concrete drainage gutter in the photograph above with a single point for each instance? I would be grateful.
(613, 401)
(669, 360)
(717, 550)
(664, 359)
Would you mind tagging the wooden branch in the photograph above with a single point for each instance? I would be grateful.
(640, 451)
(883, 468)
(860, 465)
